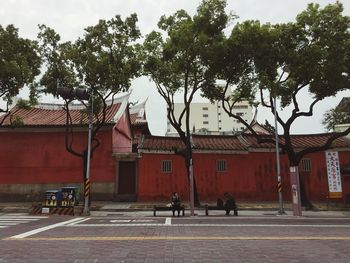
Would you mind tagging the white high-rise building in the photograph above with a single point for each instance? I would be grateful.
(211, 118)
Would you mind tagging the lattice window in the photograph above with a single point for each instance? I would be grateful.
(306, 165)
(221, 165)
(166, 166)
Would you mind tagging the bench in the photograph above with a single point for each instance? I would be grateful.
(208, 207)
(167, 208)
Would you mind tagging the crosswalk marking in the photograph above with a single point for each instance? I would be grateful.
(38, 230)
(13, 219)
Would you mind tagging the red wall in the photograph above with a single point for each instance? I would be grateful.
(41, 157)
(121, 137)
(155, 185)
(249, 177)
(317, 180)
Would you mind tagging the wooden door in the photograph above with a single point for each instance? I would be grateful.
(127, 178)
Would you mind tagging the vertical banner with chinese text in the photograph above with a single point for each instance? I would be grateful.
(333, 172)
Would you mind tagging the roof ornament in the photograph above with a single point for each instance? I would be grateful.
(124, 104)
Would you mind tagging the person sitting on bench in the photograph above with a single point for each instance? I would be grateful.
(176, 203)
(230, 204)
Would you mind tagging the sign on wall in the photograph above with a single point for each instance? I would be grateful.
(333, 171)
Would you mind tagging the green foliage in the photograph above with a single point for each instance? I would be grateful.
(179, 62)
(264, 61)
(60, 70)
(105, 59)
(318, 54)
(17, 121)
(312, 52)
(338, 115)
(19, 64)
(269, 127)
(24, 104)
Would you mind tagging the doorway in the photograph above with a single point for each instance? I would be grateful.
(127, 181)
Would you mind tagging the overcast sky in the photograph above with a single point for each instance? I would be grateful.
(70, 17)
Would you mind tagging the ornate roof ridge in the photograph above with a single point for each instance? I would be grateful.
(78, 106)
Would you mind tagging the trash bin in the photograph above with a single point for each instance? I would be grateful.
(69, 196)
(53, 198)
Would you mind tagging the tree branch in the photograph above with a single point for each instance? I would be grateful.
(294, 98)
(69, 132)
(327, 145)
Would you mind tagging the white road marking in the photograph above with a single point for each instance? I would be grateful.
(210, 225)
(13, 219)
(120, 221)
(132, 224)
(168, 221)
(18, 219)
(36, 231)
(23, 217)
(79, 221)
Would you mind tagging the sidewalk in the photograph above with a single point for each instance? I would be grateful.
(245, 208)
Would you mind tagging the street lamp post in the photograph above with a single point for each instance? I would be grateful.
(191, 180)
(82, 94)
(279, 179)
(86, 210)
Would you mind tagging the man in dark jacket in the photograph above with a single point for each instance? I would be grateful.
(230, 204)
(176, 203)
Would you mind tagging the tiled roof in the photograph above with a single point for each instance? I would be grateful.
(136, 120)
(218, 143)
(200, 142)
(138, 115)
(158, 143)
(234, 143)
(301, 141)
(54, 115)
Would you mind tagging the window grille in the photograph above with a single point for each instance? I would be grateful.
(306, 165)
(166, 166)
(205, 115)
(221, 165)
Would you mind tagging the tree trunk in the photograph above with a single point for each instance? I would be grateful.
(305, 201)
(304, 198)
(196, 198)
(195, 192)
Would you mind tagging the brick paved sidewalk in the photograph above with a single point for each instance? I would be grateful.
(245, 208)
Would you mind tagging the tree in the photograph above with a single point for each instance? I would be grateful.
(102, 63)
(19, 65)
(280, 61)
(177, 65)
(338, 115)
(269, 127)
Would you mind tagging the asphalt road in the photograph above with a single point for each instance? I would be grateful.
(139, 238)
